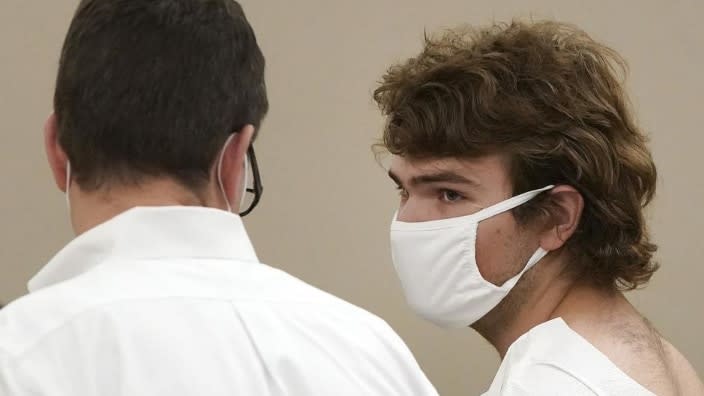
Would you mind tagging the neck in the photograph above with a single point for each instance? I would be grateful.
(91, 208)
(586, 308)
(545, 294)
(533, 301)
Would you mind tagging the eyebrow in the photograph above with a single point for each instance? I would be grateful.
(439, 177)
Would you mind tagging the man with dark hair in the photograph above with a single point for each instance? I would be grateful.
(523, 179)
(157, 103)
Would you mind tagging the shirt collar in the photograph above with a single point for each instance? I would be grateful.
(151, 233)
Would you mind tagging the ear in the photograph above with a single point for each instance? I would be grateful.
(56, 155)
(566, 206)
(233, 157)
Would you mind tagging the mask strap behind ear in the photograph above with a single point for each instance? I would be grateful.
(246, 181)
(68, 183)
(222, 186)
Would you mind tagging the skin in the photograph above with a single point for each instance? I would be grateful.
(90, 208)
(440, 188)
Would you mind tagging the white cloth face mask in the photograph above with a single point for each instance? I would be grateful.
(436, 262)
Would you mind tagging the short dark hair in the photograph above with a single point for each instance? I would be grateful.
(550, 98)
(155, 87)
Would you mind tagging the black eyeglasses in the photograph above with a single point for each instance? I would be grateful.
(253, 192)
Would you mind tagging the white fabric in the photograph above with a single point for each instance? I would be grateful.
(552, 359)
(436, 262)
(172, 301)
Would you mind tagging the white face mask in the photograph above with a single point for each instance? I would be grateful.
(245, 179)
(437, 264)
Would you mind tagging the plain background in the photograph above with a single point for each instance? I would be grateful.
(327, 204)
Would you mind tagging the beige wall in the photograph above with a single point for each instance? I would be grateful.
(327, 205)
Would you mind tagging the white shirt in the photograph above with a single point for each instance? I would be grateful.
(552, 359)
(173, 301)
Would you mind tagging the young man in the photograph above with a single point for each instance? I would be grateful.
(523, 179)
(157, 103)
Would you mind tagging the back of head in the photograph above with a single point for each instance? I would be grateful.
(550, 98)
(153, 88)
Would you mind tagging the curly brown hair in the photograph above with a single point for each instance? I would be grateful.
(550, 98)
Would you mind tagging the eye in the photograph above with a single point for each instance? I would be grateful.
(450, 196)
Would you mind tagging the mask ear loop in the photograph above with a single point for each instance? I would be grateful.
(219, 170)
(68, 184)
(222, 186)
(510, 203)
(246, 181)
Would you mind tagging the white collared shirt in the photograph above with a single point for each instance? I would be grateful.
(553, 359)
(172, 301)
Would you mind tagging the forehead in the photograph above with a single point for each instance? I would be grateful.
(484, 170)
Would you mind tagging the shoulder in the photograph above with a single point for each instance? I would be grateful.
(685, 375)
(553, 356)
(326, 326)
(298, 301)
(540, 378)
(295, 295)
(29, 319)
(541, 362)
